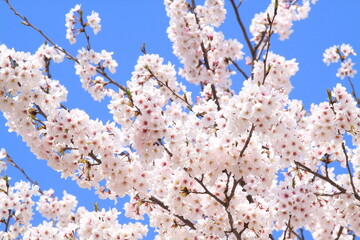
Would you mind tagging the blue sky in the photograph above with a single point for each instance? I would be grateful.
(127, 24)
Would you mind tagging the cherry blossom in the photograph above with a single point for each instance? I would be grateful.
(217, 164)
(343, 53)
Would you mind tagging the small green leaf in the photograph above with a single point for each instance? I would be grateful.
(25, 23)
(96, 207)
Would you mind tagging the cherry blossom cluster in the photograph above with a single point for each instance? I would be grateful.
(63, 221)
(204, 52)
(98, 224)
(75, 16)
(275, 72)
(47, 52)
(342, 53)
(278, 18)
(94, 22)
(89, 62)
(71, 19)
(17, 204)
(219, 165)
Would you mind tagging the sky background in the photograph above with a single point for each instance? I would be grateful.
(127, 24)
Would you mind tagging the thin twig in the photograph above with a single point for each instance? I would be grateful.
(353, 92)
(162, 84)
(83, 25)
(7, 224)
(243, 29)
(302, 234)
(247, 140)
(29, 24)
(69, 56)
(288, 227)
(207, 191)
(238, 68)
(356, 195)
(215, 97)
(163, 206)
(259, 44)
(47, 66)
(296, 235)
(98, 161)
(14, 164)
(271, 23)
(341, 189)
(165, 148)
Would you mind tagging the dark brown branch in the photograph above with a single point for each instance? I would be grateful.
(341, 189)
(208, 192)
(302, 234)
(7, 222)
(227, 185)
(353, 92)
(288, 227)
(246, 225)
(163, 206)
(238, 68)
(242, 184)
(143, 48)
(166, 149)
(339, 233)
(202, 46)
(247, 140)
(259, 44)
(213, 91)
(328, 194)
(295, 233)
(234, 230)
(98, 161)
(206, 59)
(47, 66)
(243, 29)
(40, 111)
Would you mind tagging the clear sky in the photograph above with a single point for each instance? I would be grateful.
(127, 24)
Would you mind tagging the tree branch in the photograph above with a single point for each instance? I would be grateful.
(238, 68)
(243, 29)
(247, 140)
(69, 56)
(165, 148)
(163, 206)
(208, 192)
(161, 84)
(356, 195)
(339, 233)
(14, 164)
(271, 23)
(29, 24)
(288, 227)
(341, 189)
(213, 91)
